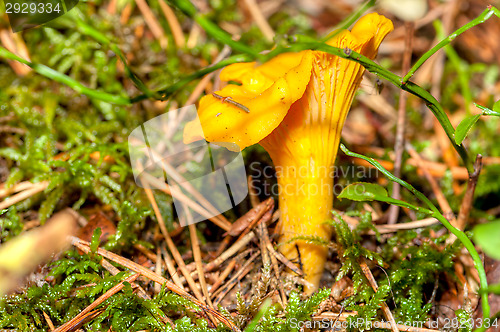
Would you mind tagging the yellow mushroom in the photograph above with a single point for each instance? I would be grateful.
(294, 106)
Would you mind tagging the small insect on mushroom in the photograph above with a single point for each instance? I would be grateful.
(231, 101)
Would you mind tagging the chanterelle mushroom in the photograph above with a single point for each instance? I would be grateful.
(297, 105)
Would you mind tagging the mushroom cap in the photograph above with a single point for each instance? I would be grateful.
(269, 90)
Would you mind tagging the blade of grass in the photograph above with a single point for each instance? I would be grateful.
(250, 54)
(345, 24)
(89, 31)
(64, 79)
(212, 29)
(402, 83)
(170, 90)
(485, 15)
(401, 122)
(460, 67)
(462, 237)
(216, 32)
(411, 87)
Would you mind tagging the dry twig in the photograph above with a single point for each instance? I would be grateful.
(401, 124)
(463, 214)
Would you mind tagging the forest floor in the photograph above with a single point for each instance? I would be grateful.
(64, 151)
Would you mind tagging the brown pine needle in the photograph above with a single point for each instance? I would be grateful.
(267, 248)
(114, 271)
(158, 269)
(21, 196)
(247, 267)
(246, 223)
(179, 179)
(384, 229)
(154, 182)
(225, 273)
(174, 25)
(230, 252)
(171, 268)
(14, 43)
(279, 256)
(70, 325)
(48, 320)
(152, 22)
(401, 124)
(223, 245)
(85, 247)
(373, 283)
(173, 248)
(463, 214)
(260, 20)
(442, 201)
(15, 188)
(199, 265)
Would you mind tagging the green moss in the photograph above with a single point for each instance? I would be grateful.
(414, 272)
(78, 280)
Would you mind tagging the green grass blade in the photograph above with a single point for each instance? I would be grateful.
(64, 79)
(87, 30)
(212, 29)
(436, 214)
(373, 67)
(486, 14)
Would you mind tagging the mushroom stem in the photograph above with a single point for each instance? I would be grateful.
(305, 204)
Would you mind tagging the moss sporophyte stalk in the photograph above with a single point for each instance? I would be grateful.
(297, 104)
